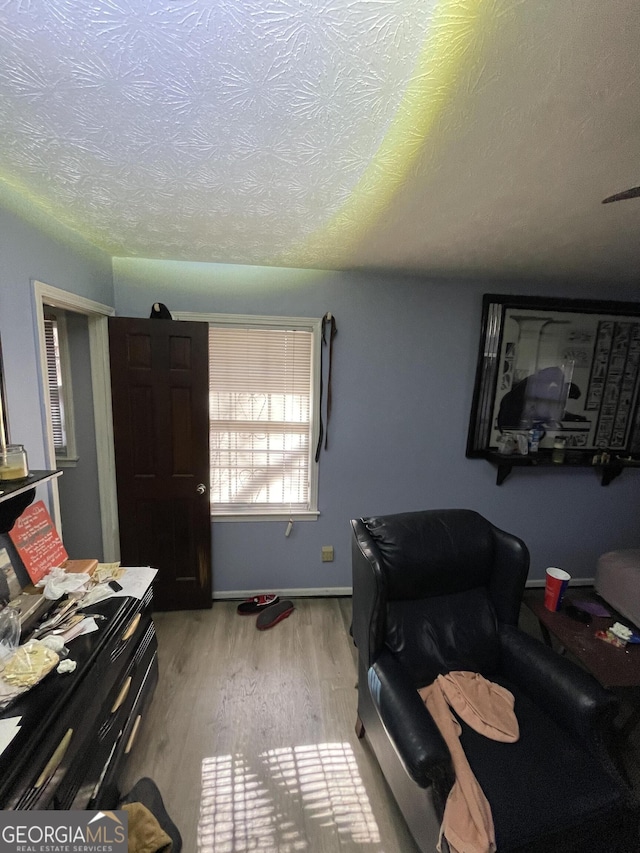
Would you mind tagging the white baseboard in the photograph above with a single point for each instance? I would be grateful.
(336, 591)
(328, 591)
(573, 582)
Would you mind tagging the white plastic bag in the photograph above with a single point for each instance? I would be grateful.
(57, 583)
(9, 632)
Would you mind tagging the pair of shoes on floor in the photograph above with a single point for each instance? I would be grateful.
(270, 609)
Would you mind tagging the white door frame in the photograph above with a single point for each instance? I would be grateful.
(97, 317)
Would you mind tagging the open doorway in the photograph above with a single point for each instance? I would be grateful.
(84, 508)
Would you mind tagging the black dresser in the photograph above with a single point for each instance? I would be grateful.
(78, 729)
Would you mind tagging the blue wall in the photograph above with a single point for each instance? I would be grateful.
(62, 260)
(404, 368)
(403, 379)
(78, 486)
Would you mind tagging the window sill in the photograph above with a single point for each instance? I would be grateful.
(67, 461)
(265, 516)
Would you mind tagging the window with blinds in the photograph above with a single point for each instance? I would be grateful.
(263, 391)
(54, 380)
(59, 385)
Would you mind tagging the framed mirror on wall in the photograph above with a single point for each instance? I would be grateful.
(557, 370)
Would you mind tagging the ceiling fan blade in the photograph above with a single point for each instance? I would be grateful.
(634, 192)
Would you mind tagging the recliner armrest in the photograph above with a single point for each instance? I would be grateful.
(411, 729)
(560, 687)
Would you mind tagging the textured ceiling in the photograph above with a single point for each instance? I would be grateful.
(449, 136)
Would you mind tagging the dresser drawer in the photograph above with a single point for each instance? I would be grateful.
(107, 793)
(67, 717)
(102, 743)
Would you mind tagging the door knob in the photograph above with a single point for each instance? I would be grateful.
(201, 488)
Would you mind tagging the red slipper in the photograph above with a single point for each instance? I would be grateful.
(274, 614)
(256, 604)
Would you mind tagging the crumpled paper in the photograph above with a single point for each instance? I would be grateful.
(621, 631)
(56, 644)
(57, 583)
(98, 593)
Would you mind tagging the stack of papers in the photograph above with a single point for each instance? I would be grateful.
(135, 582)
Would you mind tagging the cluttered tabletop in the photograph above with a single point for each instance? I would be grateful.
(585, 625)
(38, 626)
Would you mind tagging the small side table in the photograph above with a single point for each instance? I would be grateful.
(616, 669)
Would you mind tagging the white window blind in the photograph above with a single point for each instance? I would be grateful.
(54, 380)
(261, 419)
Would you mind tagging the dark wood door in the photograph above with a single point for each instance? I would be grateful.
(160, 393)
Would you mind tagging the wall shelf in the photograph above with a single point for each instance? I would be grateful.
(506, 463)
(16, 495)
(12, 488)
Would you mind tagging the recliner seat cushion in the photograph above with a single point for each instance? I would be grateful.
(527, 772)
(433, 636)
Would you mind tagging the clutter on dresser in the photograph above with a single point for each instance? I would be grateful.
(67, 728)
(69, 598)
(65, 740)
(25, 668)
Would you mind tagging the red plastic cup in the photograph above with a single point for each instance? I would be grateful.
(557, 581)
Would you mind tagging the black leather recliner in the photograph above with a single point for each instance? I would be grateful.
(440, 590)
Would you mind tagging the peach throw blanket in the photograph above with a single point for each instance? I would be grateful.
(467, 823)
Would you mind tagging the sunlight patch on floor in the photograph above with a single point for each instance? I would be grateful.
(262, 804)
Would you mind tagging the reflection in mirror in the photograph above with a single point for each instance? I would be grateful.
(557, 370)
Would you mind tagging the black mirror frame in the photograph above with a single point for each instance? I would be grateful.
(483, 409)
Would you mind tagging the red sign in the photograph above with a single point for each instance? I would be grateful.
(37, 541)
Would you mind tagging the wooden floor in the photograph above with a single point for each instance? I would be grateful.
(250, 736)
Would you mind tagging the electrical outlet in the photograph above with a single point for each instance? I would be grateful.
(327, 553)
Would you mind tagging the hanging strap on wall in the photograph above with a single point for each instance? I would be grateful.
(330, 321)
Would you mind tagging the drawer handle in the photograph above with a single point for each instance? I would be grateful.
(122, 695)
(55, 760)
(133, 735)
(132, 628)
